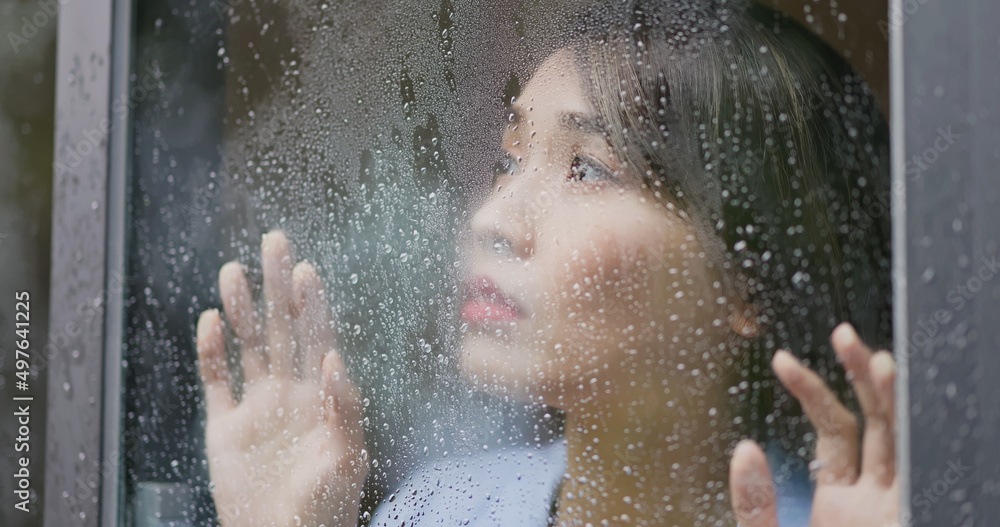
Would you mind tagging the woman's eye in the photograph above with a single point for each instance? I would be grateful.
(586, 169)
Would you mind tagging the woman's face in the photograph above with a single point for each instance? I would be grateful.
(582, 286)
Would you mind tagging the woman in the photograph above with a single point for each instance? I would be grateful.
(674, 209)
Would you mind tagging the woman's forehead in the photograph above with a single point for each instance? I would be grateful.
(555, 89)
(556, 75)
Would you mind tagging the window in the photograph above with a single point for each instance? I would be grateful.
(369, 134)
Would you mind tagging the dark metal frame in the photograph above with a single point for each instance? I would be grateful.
(944, 62)
(946, 123)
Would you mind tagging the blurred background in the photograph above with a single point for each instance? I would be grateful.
(27, 99)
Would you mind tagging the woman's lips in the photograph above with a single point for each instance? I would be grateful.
(486, 302)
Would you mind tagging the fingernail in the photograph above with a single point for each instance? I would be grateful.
(205, 321)
(744, 446)
(844, 333)
(882, 365)
(785, 355)
(790, 371)
(753, 466)
(229, 268)
(202, 327)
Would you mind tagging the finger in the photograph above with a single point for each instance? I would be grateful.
(837, 428)
(238, 304)
(277, 262)
(341, 401)
(857, 360)
(855, 356)
(212, 363)
(879, 452)
(751, 488)
(313, 325)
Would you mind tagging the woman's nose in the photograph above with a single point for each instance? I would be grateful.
(501, 227)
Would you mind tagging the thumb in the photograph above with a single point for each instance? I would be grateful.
(751, 487)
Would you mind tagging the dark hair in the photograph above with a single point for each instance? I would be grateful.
(774, 147)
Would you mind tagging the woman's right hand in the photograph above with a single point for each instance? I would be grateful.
(864, 494)
(291, 451)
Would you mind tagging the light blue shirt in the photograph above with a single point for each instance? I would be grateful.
(516, 486)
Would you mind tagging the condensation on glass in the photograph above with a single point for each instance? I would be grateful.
(559, 243)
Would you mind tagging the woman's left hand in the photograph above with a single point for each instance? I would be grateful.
(846, 494)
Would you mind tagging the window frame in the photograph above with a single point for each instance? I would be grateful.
(934, 73)
(94, 49)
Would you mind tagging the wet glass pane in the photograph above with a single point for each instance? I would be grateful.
(496, 263)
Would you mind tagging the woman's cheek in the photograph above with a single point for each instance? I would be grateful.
(586, 270)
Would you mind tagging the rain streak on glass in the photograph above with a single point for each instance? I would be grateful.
(477, 263)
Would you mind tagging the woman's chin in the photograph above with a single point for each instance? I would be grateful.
(497, 366)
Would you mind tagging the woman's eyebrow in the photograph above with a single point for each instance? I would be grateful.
(578, 122)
